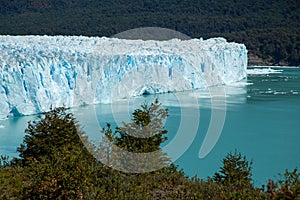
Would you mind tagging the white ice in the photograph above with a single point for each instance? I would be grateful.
(37, 72)
(264, 71)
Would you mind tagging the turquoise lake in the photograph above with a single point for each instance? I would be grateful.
(259, 117)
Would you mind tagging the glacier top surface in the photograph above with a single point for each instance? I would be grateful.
(115, 46)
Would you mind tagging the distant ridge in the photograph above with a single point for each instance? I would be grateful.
(270, 29)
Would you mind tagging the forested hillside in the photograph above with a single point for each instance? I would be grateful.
(270, 29)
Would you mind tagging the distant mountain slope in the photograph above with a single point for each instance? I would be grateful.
(270, 29)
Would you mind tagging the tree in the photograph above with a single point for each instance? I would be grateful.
(235, 172)
(135, 147)
(54, 132)
(55, 161)
(234, 179)
(287, 187)
(146, 131)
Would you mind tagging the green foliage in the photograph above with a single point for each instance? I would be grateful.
(135, 147)
(146, 132)
(55, 162)
(12, 182)
(235, 172)
(4, 161)
(287, 187)
(68, 176)
(55, 132)
(234, 179)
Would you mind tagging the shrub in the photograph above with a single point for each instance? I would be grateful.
(287, 187)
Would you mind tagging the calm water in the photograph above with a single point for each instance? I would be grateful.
(259, 117)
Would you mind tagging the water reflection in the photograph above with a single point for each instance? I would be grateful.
(218, 97)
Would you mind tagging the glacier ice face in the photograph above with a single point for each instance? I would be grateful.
(37, 72)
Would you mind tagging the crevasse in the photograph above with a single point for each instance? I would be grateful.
(39, 72)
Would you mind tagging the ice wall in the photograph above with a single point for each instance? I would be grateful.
(37, 72)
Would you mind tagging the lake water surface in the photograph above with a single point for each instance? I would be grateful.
(259, 117)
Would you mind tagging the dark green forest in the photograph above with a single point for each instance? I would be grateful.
(270, 29)
(57, 161)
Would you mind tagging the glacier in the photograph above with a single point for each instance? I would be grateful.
(39, 72)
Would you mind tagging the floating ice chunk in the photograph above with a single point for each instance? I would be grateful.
(264, 71)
